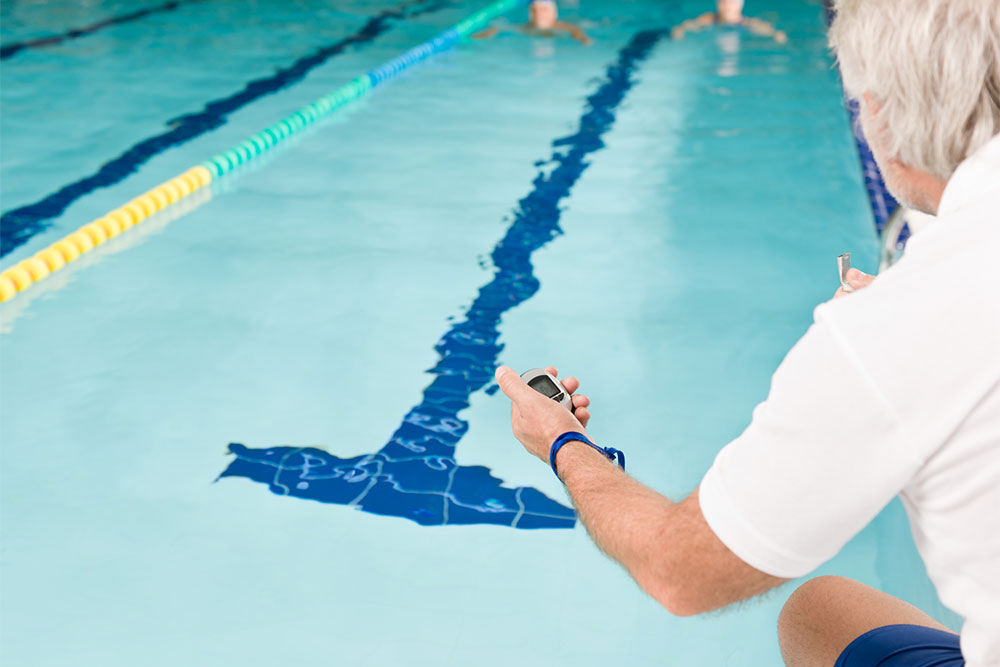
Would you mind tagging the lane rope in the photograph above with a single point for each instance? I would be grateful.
(21, 224)
(53, 258)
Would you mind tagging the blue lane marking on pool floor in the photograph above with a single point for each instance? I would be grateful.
(8, 50)
(17, 226)
(415, 475)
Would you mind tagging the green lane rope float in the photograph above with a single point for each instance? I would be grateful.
(21, 276)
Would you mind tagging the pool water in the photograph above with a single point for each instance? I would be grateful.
(656, 217)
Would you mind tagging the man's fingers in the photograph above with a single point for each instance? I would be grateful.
(858, 279)
(571, 383)
(580, 401)
(582, 415)
(511, 383)
(514, 387)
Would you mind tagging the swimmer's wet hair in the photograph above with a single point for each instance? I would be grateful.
(933, 69)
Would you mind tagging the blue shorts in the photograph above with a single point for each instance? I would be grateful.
(903, 646)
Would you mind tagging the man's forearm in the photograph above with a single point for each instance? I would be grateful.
(627, 520)
(667, 547)
(578, 34)
(765, 29)
(486, 34)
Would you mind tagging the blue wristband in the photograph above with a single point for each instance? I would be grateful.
(610, 452)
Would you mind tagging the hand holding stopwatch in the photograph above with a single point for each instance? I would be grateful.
(546, 384)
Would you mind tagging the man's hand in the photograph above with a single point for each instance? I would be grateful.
(537, 420)
(668, 548)
(857, 280)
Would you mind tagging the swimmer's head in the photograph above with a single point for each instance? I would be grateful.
(543, 14)
(730, 11)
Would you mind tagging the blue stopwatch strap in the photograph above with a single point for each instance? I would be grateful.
(570, 436)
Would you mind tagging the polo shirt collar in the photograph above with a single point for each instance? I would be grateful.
(977, 176)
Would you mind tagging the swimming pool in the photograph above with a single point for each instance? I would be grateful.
(670, 212)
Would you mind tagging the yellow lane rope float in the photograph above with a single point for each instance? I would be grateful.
(24, 274)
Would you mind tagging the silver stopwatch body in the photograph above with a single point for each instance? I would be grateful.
(546, 384)
(843, 266)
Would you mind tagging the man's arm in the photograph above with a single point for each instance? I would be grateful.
(575, 32)
(765, 29)
(668, 548)
(692, 25)
(486, 34)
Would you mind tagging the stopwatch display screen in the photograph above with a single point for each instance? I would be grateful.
(544, 385)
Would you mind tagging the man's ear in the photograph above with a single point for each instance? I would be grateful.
(869, 111)
(870, 101)
(870, 126)
(924, 190)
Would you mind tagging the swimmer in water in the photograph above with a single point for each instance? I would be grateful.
(729, 13)
(543, 21)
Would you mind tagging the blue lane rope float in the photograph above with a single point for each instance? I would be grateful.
(22, 275)
(18, 225)
(227, 160)
(256, 144)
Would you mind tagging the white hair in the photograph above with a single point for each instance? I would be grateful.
(932, 69)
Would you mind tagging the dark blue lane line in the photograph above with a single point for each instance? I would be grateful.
(7, 50)
(415, 475)
(17, 226)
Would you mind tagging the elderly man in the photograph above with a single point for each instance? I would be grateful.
(895, 389)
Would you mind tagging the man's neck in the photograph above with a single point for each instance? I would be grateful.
(931, 188)
(917, 189)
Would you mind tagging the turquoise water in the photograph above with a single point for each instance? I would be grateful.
(299, 304)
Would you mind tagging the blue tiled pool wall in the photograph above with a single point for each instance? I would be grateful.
(883, 204)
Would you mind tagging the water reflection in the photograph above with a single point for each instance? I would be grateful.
(728, 41)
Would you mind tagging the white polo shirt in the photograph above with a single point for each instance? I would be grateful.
(895, 389)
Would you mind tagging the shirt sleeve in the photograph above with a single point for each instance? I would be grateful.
(822, 456)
